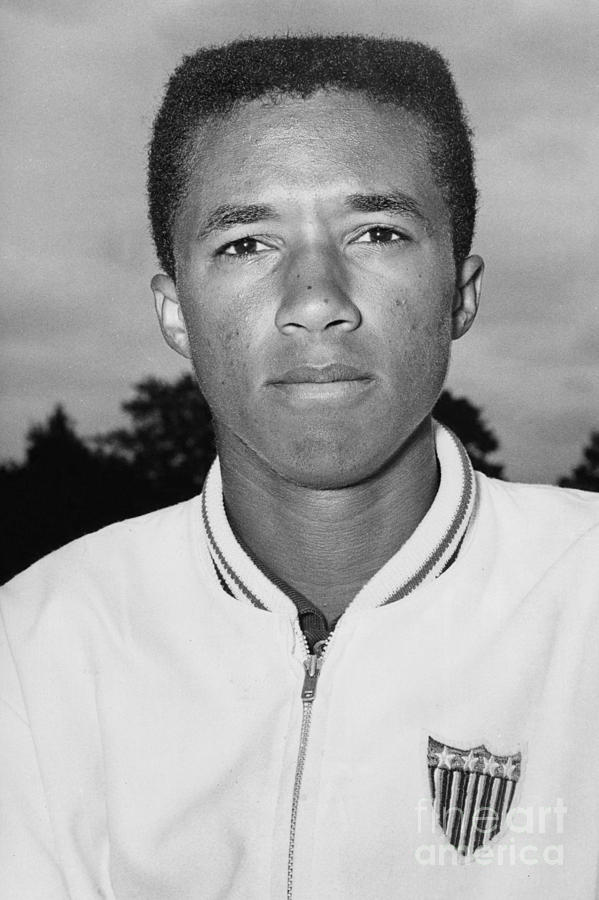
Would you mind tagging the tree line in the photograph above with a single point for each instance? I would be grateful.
(68, 485)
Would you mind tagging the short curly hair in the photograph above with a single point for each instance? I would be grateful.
(213, 81)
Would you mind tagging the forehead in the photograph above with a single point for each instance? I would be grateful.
(326, 145)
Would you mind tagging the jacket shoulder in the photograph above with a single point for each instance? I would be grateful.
(539, 521)
(117, 561)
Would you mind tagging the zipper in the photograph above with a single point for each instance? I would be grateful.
(312, 666)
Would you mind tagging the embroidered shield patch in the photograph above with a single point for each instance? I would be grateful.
(472, 791)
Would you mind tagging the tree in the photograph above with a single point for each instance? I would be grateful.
(586, 475)
(62, 490)
(466, 421)
(170, 442)
(55, 444)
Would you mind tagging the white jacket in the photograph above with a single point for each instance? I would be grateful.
(152, 723)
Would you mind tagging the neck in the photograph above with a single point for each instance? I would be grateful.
(328, 543)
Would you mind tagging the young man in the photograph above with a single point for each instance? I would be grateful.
(351, 668)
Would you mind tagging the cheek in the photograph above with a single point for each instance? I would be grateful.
(417, 341)
(220, 352)
(417, 321)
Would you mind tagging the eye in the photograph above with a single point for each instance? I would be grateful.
(246, 246)
(379, 234)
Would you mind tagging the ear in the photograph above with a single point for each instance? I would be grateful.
(466, 296)
(170, 314)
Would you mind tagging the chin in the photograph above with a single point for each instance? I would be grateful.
(312, 465)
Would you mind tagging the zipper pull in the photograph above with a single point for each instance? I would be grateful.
(312, 665)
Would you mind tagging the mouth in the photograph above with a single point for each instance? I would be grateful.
(329, 374)
(335, 382)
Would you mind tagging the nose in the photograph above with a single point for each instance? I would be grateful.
(315, 294)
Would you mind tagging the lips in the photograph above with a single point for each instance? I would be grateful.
(321, 374)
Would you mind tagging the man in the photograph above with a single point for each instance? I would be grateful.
(351, 668)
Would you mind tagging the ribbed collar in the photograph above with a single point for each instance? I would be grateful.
(430, 549)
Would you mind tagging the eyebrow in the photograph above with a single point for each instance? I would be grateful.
(394, 202)
(227, 216)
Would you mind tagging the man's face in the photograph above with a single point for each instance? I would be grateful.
(316, 279)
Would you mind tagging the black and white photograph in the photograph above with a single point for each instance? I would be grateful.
(299, 450)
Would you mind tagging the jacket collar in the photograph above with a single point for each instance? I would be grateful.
(430, 549)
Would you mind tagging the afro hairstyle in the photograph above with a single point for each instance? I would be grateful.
(212, 82)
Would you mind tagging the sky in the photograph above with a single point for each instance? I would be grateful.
(81, 83)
